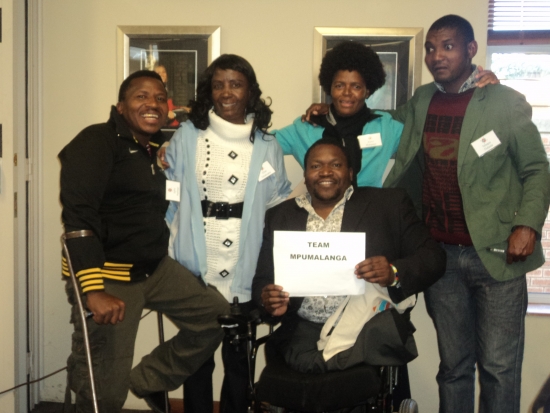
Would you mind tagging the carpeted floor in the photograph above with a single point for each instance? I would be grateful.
(50, 407)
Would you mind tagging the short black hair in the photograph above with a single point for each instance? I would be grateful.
(125, 85)
(460, 24)
(203, 102)
(328, 141)
(351, 56)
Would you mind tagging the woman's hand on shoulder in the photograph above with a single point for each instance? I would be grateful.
(315, 109)
(161, 156)
(486, 77)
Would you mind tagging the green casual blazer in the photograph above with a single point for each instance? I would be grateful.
(506, 187)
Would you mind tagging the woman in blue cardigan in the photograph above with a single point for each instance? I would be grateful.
(230, 171)
(349, 74)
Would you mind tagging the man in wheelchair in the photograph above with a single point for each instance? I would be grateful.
(332, 333)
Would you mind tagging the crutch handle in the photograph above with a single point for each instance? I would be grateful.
(78, 234)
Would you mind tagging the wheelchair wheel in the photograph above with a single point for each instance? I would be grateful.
(408, 406)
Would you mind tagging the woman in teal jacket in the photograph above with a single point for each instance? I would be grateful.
(349, 74)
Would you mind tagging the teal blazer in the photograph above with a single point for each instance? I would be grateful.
(295, 139)
(506, 187)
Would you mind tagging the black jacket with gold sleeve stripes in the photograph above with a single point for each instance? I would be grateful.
(110, 185)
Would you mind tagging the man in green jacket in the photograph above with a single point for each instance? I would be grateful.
(475, 166)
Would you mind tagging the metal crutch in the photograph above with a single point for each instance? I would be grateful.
(83, 312)
(161, 340)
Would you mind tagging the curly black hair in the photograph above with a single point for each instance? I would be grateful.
(203, 103)
(351, 56)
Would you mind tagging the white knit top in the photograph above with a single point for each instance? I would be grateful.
(223, 158)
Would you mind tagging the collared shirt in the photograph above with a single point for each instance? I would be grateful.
(470, 83)
(319, 309)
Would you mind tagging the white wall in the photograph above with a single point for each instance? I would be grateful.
(12, 198)
(79, 84)
(7, 232)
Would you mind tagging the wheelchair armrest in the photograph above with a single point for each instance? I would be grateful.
(262, 340)
(259, 341)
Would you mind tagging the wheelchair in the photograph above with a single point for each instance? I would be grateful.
(281, 389)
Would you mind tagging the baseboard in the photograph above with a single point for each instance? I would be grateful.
(52, 407)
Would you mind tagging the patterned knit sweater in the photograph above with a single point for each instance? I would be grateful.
(223, 158)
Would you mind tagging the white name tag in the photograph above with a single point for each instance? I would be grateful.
(370, 140)
(172, 191)
(267, 170)
(486, 143)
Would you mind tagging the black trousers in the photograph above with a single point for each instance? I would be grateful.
(184, 299)
(197, 390)
(385, 340)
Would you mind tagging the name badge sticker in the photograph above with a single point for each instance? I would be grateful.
(486, 143)
(173, 191)
(370, 140)
(267, 170)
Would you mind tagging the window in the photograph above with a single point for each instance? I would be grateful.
(518, 22)
(527, 70)
(518, 52)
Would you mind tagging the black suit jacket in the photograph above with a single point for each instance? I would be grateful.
(392, 229)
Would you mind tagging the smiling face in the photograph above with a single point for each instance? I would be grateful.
(348, 92)
(449, 58)
(327, 175)
(230, 94)
(144, 107)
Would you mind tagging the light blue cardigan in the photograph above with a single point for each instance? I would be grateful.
(185, 220)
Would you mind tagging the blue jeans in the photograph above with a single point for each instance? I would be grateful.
(477, 320)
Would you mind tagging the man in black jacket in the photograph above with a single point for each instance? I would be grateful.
(111, 185)
(400, 255)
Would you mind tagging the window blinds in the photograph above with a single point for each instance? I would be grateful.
(519, 22)
(519, 15)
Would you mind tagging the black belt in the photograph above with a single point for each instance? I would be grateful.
(222, 210)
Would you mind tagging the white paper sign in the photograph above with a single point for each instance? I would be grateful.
(318, 263)
(486, 143)
(370, 140)
(173, 191)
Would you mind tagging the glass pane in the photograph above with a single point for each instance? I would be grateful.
(529, 74)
